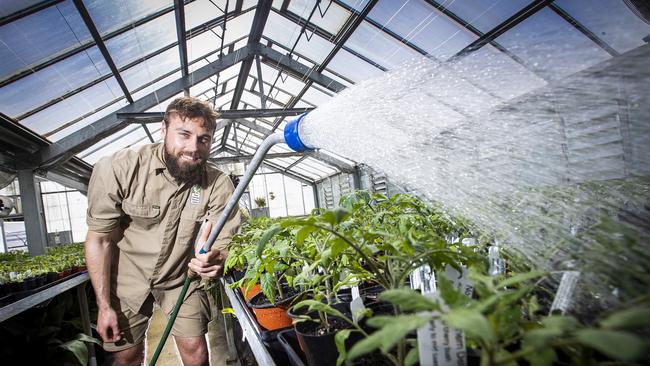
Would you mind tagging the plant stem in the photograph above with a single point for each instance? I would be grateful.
(370, 261)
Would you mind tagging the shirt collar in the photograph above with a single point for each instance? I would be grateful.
(158, 162)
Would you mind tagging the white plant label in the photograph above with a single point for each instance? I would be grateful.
(439, 344)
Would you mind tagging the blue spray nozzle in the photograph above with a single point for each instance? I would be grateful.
(292, 137)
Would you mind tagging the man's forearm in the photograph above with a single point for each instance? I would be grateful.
(98, 260)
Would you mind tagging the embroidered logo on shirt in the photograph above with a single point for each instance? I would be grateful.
(195, 195)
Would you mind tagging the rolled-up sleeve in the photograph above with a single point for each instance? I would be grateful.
(221, 193)
(104, 198)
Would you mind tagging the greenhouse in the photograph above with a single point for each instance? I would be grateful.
(342, 182)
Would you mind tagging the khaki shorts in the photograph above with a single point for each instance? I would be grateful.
(191, 321)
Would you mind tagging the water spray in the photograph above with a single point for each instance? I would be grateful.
(292, 138)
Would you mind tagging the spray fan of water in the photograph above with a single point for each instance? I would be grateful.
(558, 171)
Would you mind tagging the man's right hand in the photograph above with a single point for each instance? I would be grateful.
(107, 325)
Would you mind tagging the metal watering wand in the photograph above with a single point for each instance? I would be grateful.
(291, 138)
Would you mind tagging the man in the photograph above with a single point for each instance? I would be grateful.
(145, 208)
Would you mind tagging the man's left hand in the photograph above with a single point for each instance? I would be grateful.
(211, 263)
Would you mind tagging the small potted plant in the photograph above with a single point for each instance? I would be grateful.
(262, 210)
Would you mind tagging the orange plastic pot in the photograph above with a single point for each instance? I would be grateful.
(271, 317)
(256, 289)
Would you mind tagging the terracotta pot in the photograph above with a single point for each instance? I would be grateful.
(270, 316)
(256, 289)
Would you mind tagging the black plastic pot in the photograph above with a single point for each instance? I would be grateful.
(289, 341)
(51, 277)
(320, 350)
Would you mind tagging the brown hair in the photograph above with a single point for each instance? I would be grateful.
(190, 107)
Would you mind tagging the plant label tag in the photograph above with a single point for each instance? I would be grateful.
(439, 344)
(357, 308)
(355, 292)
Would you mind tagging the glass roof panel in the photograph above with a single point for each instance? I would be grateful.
(485, 15)
(315, 96)
(285, 82)
(285, 32)
(551, 46)
(8, 7)
(52, 82)
(352, 67)
(333, 19)
(612, 21)
(71, 108)
(29, 40)
(113, 143)
(356, 4)
(380, 47)
(142, 40)
(422, 25)
(150, 69)
(112, 15)
(201, 11)
(155, 86)
(338, 78)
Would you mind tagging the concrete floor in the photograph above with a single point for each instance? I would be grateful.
(169, 355)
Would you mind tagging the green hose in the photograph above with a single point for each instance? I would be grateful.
(170, 323)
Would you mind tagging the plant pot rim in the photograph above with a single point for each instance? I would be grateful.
(267, 306)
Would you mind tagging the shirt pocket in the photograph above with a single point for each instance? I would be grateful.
(190, 223)
(143, 216)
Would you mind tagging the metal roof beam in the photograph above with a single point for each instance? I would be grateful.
(297, 176)
(346, 31)
(28, 11)
(506, 25)
(86, 45)
(245, 158)
(257, 28)
(302, 71)
(72, 144)
(193, 32)
(151, 117)
(179, 12)
(584, 30)
(81, 8)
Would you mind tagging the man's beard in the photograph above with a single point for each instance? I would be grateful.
(183, 172)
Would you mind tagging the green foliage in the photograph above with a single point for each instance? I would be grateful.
(18, 266)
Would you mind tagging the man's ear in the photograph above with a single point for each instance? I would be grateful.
(163, 130)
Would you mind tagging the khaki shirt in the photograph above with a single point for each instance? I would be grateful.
(133, 191)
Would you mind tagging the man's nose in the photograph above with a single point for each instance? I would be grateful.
(192, 145)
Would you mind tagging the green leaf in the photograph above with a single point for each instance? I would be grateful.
(409, 300)
(268, 286)
(472, 322)
(542, 357)
(314, 305)
(521, 277)
(340, 214)
(339, 339)
(562, 323)
(228, 311)
(78, 347)
(615, 344)
(412, 357)
(637, 317)
(268, 234)
(338, 245)
(391, 332)
(303, 233)
(539, 338)
(449, 294)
